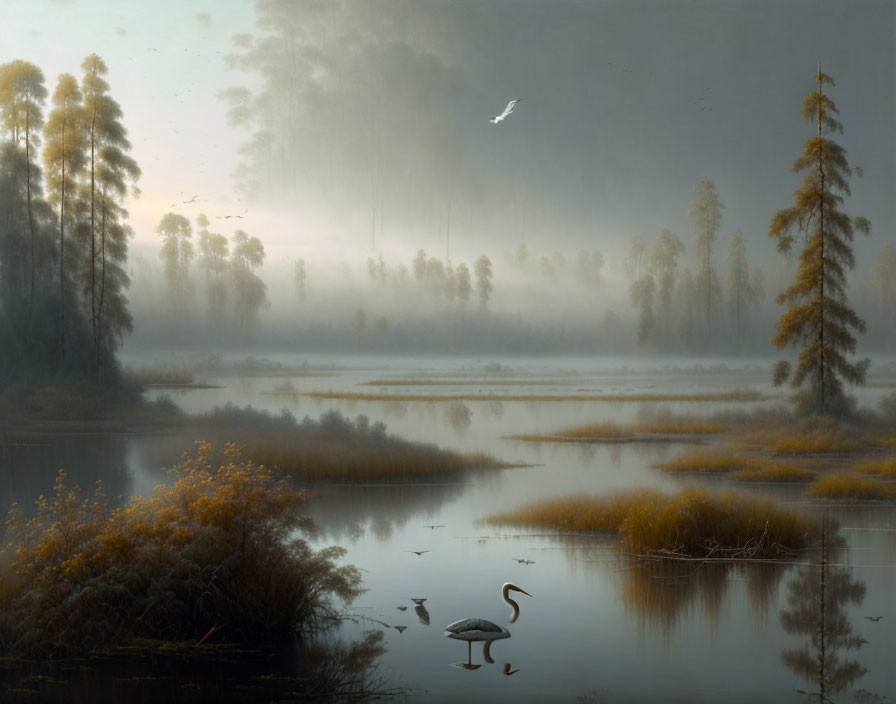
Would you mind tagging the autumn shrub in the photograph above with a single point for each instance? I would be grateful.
(218, 548)
(694, 522)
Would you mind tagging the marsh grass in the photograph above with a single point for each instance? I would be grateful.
(692, 523)
(335, 449)
(774, 472)
(816, 444)
(849, 486)
(613, 432)
(737, 395)
(284, 389)
(709, 462)
(887, 468)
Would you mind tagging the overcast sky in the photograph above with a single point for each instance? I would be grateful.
(626, 105)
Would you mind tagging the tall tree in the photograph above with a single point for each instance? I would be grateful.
(662, 265)
(706, 213)
(642, 288)
(213, 261)
(110, 171)
(22, 94)
(300, 274)
(247, 254)
(64, 158)
(177, 253)
(483, 271)
(819, 319)
(464, 289)
(743, 289)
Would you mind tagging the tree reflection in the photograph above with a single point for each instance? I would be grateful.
(817, 603)
(663, 592)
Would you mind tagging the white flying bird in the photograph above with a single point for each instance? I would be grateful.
(509, 109)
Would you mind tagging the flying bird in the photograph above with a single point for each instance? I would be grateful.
(434, 526)
(523, 560)
(418, 553)
(470, 629)
(400, 629)
(402, 608)
(874, 618)
(503, 116)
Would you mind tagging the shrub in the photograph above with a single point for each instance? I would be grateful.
(215, 548)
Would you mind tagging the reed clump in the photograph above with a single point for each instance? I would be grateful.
(775, 472)
(693, 523)
(217, 550)
(708, 462)
(886, 468)
(849, 486)
(636, 432)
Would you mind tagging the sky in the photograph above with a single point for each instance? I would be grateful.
(625, 106)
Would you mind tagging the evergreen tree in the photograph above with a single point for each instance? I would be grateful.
(706, 212)
(250, 292)
(483, 271)
(213, 260)
(819, 320)
(22, 94)
(64, 159)
(642, 289)
(743, 289)
(109, 172)
(177, 252)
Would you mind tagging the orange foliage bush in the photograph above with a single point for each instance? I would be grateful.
(217, 547)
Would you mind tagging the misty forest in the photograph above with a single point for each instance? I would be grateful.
(335, 333)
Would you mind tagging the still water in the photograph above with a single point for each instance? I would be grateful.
(602, 627)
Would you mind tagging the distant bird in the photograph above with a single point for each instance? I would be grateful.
(503, 116)
(400, 629)
(418, 553)
(874, 618)
(418, 601)
(523, 560)
(192, 200)
(402, 608)
(434, 526)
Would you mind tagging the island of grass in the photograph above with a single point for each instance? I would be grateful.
(618, 433)
(692, 524)
(334, 449)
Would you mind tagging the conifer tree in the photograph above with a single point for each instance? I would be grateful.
(819, 320)
(706, 212)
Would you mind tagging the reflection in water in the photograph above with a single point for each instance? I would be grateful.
(321, 671)
(459, 416)
(344, 513)
(816, 608)
(29, 463)
(663, 592)
(422, 614)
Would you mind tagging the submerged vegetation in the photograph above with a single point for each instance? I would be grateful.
(694, 523)
(334, 449)
(215, 553)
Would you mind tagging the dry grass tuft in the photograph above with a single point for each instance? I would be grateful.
(638, 432)
(816, 444)
(775, 473)
(849, 486)
(692, 523)
(708, 462)
(887, 468)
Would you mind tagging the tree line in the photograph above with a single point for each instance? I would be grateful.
(64, 177)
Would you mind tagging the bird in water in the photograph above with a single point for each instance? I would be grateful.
(402, 608)
(470, 629)
(503, 116)
(418, 600)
